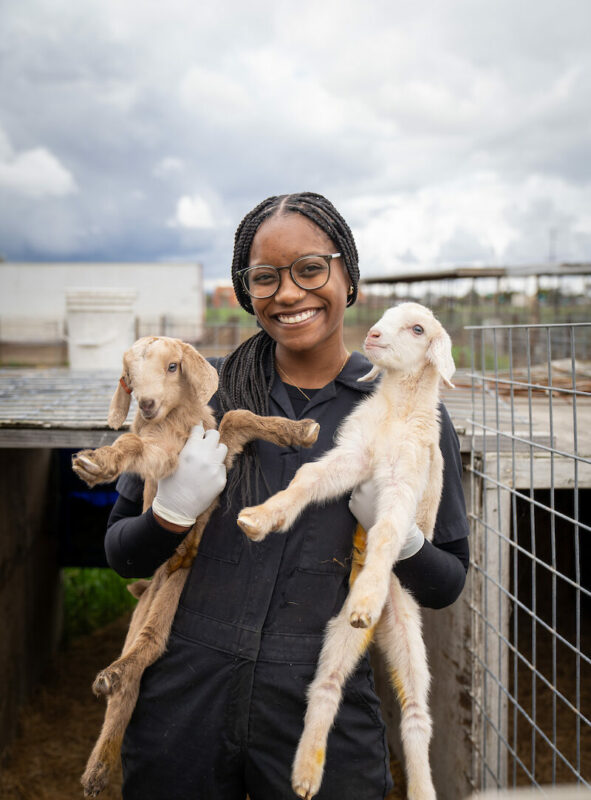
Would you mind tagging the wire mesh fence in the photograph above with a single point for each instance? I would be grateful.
(530, 591)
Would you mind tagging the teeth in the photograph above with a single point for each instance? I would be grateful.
(290, 319)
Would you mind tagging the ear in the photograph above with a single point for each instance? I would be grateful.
(199, 373)
(439, 354)
(371, 375)
(119, 405)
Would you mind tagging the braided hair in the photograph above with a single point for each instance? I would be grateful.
(245, 378)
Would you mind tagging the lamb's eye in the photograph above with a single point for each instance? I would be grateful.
(172, 367)
(418, 329)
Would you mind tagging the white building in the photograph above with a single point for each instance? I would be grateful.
(169, 297)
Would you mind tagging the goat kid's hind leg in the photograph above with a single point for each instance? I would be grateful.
(150, 637)
(106, 751)
(398, 635)
(342, 648)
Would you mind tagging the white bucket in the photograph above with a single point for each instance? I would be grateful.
(101, 327)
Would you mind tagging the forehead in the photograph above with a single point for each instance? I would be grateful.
(283, 238)
(155, 349)
(409, 314)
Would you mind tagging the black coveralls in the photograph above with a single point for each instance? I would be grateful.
(220, 714)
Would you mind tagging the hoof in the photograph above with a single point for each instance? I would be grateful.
(106, 683)
(252, 525)
(303, 790)
(311, 434)
(358, 620)
(95, 779)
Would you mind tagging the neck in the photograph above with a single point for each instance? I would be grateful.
(417, 388)
(310, 369)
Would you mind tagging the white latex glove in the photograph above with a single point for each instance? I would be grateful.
(200, 476)
(363, 504)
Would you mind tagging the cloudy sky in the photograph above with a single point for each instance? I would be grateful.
(447, 132)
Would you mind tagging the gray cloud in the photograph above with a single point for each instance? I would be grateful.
(443, 131)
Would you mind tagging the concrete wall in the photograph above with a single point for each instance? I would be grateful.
(29, 578)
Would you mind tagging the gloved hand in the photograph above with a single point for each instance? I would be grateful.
(199, 478)
(363, 505)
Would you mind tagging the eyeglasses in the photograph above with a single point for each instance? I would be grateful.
(307, 272)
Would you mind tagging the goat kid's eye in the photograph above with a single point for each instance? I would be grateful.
(172, 367)
(418, 329)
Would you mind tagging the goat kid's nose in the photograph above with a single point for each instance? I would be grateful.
(147, 405)
(373, 333)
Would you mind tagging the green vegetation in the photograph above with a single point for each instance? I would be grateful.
(92, 598)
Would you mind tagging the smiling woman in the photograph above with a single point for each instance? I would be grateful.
(222, 711)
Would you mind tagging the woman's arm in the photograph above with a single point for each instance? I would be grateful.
(435, 576)
(135, 544)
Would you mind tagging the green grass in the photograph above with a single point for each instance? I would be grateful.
(92, 598)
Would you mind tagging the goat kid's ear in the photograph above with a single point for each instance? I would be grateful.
(439, 354)
(371, 375)
(199, 372)
(119, 406)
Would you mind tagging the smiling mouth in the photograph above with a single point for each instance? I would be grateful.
(302, 316)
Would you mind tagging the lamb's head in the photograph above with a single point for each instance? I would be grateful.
(407, 337)
(162, 373)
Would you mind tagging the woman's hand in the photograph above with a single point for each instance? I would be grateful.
(199, 478)
(363, 506)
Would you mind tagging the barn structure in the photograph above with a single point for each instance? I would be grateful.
(510, 659)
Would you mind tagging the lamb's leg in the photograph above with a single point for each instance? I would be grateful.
(150, 635)
(331, 476)
(398, 635)
(400, 489)
(342, 648)
(128, 453)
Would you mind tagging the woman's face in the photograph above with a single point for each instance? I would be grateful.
(297, 319)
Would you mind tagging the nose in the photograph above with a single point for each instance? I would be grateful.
(373, 333)
(147, 405)
(288, 292)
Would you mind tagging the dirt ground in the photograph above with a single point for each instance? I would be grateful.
(58, 728)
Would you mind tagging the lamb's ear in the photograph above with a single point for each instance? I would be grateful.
(199, 373)
(371, 375)
(119, 405)
(439, 354)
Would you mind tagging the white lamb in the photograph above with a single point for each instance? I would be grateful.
(392, 439)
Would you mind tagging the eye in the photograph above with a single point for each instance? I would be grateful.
(172, 367)
(418, 329)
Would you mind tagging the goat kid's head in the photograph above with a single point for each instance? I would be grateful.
(406, 338)
(162, 373)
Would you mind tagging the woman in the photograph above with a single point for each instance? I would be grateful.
(220, 714)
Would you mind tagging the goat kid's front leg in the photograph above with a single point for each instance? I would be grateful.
(342, 648)
(370, 590)
(128, 453)
(396, 512)
(239, 427)
(398, 636)
(331, 476)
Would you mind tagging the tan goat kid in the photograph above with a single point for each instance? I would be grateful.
(173, 384)
(392, 439)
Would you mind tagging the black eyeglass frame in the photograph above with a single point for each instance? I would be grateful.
(243, 274)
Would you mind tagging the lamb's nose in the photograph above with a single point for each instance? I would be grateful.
(373, 333)
(147, 405)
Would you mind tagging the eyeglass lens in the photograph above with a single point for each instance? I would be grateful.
(310, 272)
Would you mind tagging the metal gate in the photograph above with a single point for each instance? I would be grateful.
(530, 587)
